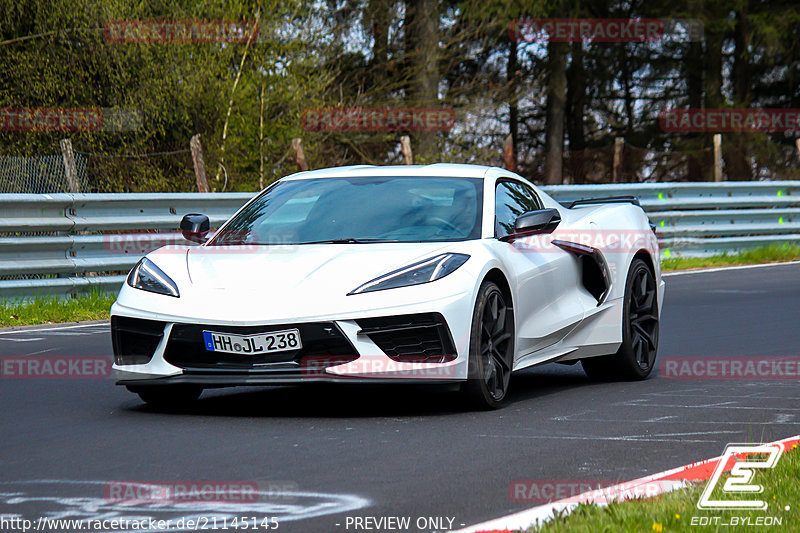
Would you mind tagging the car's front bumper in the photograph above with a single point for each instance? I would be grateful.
(379, 346)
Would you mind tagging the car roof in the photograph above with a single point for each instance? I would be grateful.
(435, 170)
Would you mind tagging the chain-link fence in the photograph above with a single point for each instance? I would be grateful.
(39, 174)
(172, 170)
(167, 171)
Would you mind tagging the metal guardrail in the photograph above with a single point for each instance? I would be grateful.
(64, 244)
(696, 219)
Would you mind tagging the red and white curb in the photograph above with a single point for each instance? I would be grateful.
(649, 486)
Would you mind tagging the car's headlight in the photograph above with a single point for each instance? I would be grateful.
(148, 277)
(422, 272)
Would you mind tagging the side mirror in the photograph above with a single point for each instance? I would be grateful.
(195, 227)
(534, 223)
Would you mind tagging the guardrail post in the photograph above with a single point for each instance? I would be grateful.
(299, 155)
(717, 157)
(509, 155)
(616, 168)
(405, 147)
(69, 165)
(199, 164)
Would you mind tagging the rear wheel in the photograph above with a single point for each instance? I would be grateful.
(636, 356)
(168, 395)
(491, 349)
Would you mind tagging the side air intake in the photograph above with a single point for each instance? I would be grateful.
(595, 275)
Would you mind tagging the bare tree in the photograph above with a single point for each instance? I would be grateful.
(556, 108)
(422, 53)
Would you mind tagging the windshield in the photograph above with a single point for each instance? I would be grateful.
(364, 209)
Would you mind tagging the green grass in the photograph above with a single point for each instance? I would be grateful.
(95, 306)
(768, 254)
(674, 511)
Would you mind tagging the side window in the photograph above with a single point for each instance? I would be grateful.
(511, 200)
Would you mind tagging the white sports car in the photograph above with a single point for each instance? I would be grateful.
(440, 274)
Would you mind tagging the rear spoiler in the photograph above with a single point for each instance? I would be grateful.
(608, 200)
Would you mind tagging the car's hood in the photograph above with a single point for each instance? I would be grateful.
(282, 284)
(309, 270)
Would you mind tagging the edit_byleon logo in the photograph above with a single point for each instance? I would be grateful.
(739, 488)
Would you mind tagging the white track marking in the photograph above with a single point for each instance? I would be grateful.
(737, 396)
(736, 291)
(46, 330)
(723, 269)
(703, 393)
(655, 437)
(660, 418)
(287, 506)
(721, 406)
(76, 333)
(682, 392)
(571, 416)
(41, 351)
(641, 403)
(683, 422)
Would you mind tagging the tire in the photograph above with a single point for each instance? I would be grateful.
(168, 396)
(491, 349)
(636, 356)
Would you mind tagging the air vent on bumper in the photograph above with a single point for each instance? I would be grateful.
(135, 340)
(421, 338)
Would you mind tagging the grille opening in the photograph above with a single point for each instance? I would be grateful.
(134, 340)
(323, 345)
(418, 338)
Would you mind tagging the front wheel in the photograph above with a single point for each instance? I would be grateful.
(168, 395)
(636, 356)
(491, 349)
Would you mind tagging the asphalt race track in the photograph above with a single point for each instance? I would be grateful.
(323, 454)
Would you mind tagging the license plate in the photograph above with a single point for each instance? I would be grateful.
(275, 341)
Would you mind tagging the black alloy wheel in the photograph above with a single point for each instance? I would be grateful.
(491, 348)
(636, 356)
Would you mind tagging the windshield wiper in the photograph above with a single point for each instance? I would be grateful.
(348, 241)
